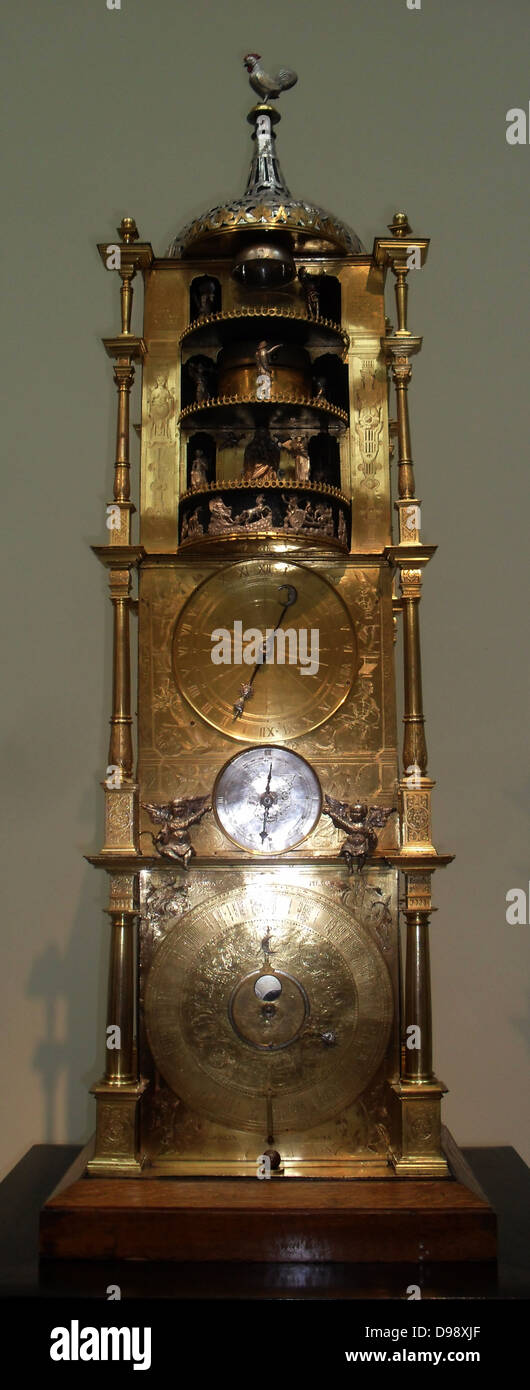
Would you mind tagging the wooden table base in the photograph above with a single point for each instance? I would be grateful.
(278, 1221)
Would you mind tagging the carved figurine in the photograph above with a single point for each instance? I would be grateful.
(204, 297)
(192, 526)
(297, 447)
(199, 373)
(176, 817)
(359, 821)
(268, 88)
(311, 295)
(258, 517)
(263, 377)
(342, 529)
(261, 457)
(324, 520)
(296, 515)
(319, 388)
(220, 517)
(199, 470)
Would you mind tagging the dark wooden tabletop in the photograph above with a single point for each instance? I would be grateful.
(500, 1171)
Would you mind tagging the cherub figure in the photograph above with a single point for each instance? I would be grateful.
(175, 817)
(359, 821)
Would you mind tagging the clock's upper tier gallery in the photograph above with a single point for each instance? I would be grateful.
(265, 385)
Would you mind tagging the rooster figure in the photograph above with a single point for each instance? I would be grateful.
(175, 817)
(267, 87)
(359, 821)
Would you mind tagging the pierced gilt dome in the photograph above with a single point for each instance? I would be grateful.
(267, 204)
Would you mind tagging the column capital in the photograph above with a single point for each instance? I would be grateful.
(401, 554)
(128, 348)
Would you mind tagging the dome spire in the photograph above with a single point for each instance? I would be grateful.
(267, 203)
(265, 176)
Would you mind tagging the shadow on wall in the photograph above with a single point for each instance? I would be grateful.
(72, 988)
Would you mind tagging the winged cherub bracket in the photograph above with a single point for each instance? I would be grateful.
(176, 817)
(360, 822)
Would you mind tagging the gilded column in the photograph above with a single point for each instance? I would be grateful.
(417, 1020)
(120, 745)
(117, 1146)
(417, 1094)
(120, 556)
(120, 998)
(118, 1092)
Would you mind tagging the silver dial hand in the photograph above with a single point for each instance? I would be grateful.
(267, 800)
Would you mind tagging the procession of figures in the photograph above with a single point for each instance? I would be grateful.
(290, 512)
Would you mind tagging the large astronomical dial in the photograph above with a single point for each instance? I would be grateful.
(267, 996)
(277, 628)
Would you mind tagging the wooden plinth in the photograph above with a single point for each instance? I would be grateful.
(298, 1220)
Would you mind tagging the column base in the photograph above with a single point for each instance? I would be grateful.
(416, 1149)
(116, 1153)
(121, 819)
(115, 1168)
(419, 1167)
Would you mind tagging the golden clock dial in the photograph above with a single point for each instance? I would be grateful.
(264, 651)
(263, 995)
(267, 800)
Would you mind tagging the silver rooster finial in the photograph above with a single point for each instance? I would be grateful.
(267, 87)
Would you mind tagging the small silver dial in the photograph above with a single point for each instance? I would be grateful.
(267, 800)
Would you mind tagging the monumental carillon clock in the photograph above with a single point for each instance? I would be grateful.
(255, 845)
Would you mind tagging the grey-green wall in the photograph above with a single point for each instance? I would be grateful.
(142, 110)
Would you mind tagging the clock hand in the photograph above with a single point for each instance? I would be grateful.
(246, 692)
(267, 800)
